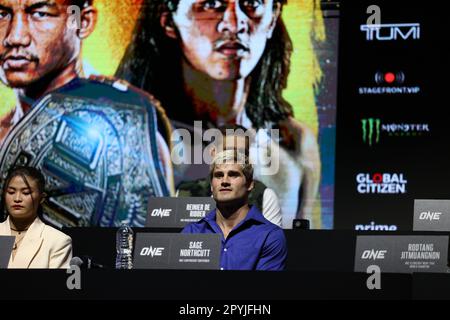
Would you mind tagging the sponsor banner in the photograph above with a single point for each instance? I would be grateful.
(402, 254)
(167, 212)
(372, 130)
(373, 226)
(177, 251)
(391, 31)
(6, 245)
(431, 215)
(381, 183)
(389, 83)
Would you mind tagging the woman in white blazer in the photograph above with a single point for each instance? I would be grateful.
(37, 245)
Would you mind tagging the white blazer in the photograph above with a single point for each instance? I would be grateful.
(43, 247)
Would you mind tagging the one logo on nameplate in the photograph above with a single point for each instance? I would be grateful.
(162, 212)
(167, 212)
(177, 251)
(431, 215)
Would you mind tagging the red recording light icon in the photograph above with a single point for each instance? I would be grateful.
(389, 77)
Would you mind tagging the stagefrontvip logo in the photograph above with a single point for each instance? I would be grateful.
(381, 183)
(372, 130)
(389, 83)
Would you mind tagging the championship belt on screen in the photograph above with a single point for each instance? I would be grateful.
(100, 159)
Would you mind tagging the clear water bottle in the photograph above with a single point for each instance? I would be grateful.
(124, 247)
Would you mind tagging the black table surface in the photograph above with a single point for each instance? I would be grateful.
(199, 285)
(308, 250)
(320, 266)
(183, 285)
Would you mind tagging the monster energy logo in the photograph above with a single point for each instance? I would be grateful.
(371, 130)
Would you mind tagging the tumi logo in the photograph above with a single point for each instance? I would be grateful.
(161, 213)
(153, 252)
(429, 215)
(391, 32)
(373, 254)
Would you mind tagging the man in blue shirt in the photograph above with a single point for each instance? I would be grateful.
(249, 241)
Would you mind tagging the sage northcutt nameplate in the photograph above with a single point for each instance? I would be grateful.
(177, 251)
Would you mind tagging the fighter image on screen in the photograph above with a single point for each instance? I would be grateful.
(228, 61)
(96, 140)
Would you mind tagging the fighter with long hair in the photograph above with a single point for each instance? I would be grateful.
(228, 62)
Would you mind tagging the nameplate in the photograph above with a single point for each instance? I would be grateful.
(402, 254)
(431, 215)
(166, 212)
(6, 245)
(177, 251)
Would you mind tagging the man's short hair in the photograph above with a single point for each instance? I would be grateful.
(233, 157)
(233, 130)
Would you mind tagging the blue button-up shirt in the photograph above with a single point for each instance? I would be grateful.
(254, 244)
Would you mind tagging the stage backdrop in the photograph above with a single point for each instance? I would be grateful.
(392, 133)
(312, 84)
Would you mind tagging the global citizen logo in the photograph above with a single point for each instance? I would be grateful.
(391, 32)
(389, 83)
(372, 128)
(381, 183)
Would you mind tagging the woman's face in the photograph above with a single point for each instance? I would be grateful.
(22, 201)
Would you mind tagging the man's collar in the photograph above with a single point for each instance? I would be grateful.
(252, 214)
(255, 214)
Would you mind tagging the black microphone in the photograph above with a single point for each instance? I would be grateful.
(93, 265)
(76, 261)
(300, 224)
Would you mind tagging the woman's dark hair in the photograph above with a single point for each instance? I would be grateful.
(25, 173)
(236, 130)
(152, 62)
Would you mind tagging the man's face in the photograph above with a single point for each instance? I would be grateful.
(35, 40)
(224, 39)
(228, 183)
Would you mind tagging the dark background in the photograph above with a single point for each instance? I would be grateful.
(423, 160)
